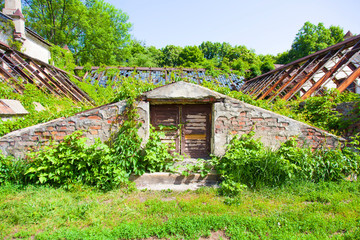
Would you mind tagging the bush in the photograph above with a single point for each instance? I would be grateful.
(73, 162)
(12, 170)
(247, 161)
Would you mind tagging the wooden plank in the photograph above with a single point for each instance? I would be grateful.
(167, 115)
(8, 77)
(196, 134)
(299, 85)
(293, 77)
(284, 76)
(346, 58)
(349, 80)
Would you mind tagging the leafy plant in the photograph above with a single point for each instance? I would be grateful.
(202, 166)
(73, 162)
(55, 107)
(247, 161)
(12, 170)
(157, 156)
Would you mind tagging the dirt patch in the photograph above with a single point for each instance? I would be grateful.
(215, 236)
(168, 199)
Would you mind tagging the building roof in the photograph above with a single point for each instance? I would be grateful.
(28, 30)
(18, 13)
(337, 66)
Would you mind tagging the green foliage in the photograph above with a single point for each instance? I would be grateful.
(304, 210)
(231, 188)
(62, 58)
(170, 55)
(73, 162)
(127, 144)
(191, 56)
(12, 170)
(247, 161)
(95, 31)
(128, 153)
(131, 88)
(312, 38)
(202, 166)
(157, 155)
(55, 107)
(8, 28)
(211, 50)
(320, 110)
(137, 54)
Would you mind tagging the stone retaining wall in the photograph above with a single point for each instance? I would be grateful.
(229, 117)
(235, 117)
(99, 122)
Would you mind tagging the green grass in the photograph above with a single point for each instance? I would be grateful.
(302, 211)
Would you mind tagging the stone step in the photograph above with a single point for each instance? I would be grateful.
(174, 181)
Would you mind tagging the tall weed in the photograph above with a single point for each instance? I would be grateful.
(247, 161)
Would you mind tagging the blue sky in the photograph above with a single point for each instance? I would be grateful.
(268, 27)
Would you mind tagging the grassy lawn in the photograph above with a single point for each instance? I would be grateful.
(301, 211)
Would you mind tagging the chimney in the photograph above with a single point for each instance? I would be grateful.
(13, 9)
(11, 6)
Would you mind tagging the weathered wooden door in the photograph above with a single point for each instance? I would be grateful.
(187, 126)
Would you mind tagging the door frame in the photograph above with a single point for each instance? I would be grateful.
(181, 133)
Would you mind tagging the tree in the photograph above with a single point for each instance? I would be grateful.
(105, 34)
(210, 50)
(267, 63)
(191, 56)
(137, 54)
(171, 55)
(95, 31)
(60, 22)
(312, 38)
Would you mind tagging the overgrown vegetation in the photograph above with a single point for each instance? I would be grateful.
(304, 210)
(318, 111)
(248, 162)
(266, 193)
(55, 107)
(104, 166)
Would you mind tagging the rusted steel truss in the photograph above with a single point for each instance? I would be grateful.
(337, 66)
(159, 75)
(17, 69)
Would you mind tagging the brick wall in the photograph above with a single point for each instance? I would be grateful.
(235, 117)
(230, 117)
(99, 122)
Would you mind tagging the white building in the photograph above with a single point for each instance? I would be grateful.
(32, 44)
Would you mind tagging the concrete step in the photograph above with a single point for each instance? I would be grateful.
(174, 181)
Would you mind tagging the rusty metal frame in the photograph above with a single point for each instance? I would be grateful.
(312, 71)
(20, 68)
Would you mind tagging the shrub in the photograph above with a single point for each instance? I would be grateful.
(247, 161)
(12, 170)
(73, 162)
(157, 157)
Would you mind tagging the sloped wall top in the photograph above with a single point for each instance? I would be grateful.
(182, 90)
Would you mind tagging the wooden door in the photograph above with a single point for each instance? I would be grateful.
(196, 131)
(166, 118)
(187, 126)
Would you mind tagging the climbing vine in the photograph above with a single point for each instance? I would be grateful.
(8, 28)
